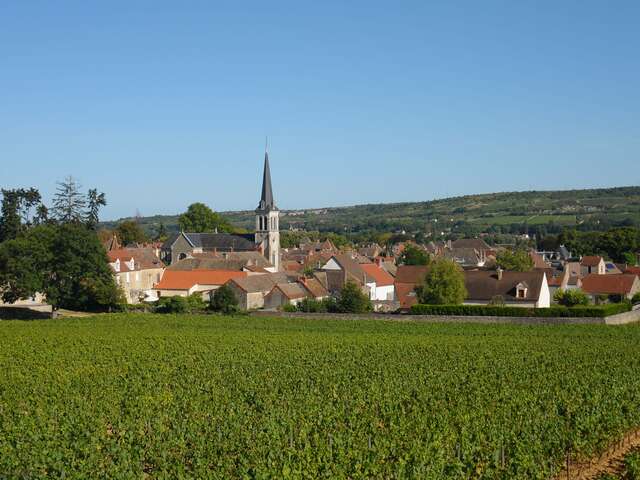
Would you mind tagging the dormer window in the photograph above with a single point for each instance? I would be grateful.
(521, 290)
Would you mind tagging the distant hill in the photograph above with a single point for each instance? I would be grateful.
(506, 212)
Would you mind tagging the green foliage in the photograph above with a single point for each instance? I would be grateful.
(287, 307)
(444, 284)
(570, 298)
(514, 261)
(353, 300)
(200, 218)
(176, 304)
(129, 232)
(134, 396)
(636, 298)
(618, 244)
(95, 201)
(599, 311)
(632, 466)
(224, 300)
(311, 305)
(414, 255)
(17, 210)
(66, 263)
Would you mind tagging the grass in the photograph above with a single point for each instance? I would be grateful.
(124, 396)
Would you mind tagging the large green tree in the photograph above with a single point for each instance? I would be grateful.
(129, 232)
(200, 218)
(515, 261)
(443, 285)
(414, 255)
(65, 262)
(353, 300)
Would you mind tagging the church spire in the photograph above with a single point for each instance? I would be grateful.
(266, 200)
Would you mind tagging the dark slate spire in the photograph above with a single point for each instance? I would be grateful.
(266, 200)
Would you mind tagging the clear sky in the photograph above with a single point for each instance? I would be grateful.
(160, 104)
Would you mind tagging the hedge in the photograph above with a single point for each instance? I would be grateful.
(599, 311)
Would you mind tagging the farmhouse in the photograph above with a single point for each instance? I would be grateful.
(136, 271)
(622, 285)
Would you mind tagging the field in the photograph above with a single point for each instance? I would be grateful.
(126, 396)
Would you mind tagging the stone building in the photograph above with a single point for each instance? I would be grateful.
(265, 240)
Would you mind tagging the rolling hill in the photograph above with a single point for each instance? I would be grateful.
(506, 212)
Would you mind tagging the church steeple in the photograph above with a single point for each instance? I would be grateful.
(266, 200)
(268, 220)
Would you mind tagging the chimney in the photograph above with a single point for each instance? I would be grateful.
(499, 272)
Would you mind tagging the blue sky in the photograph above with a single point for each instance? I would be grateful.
(160, 104)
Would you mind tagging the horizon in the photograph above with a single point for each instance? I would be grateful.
(160, 105)
(439, 199)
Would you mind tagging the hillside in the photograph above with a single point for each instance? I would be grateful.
(507, 212)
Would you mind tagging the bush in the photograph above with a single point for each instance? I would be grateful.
(287, 307)
(311, 305)
(509, 311)
(353, 300)
(191, 304)
(224, 300)
(570, 298)
(636, 298)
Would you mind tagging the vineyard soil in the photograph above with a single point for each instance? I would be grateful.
(132, 396)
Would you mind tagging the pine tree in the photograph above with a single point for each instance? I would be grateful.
(95, 202)
(68, 202)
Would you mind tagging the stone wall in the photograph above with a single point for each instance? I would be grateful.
(620, 319)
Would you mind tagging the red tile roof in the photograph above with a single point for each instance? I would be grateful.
(185, 279)
(411, 273)
(633, 270)
(614, 284)
(381, 277)
(590, 260)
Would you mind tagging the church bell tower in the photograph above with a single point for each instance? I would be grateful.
(268, 220)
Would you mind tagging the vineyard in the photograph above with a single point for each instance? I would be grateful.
(133, 396)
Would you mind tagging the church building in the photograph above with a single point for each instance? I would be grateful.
(266, 240)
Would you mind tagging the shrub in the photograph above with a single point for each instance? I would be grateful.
(191, 304)
(353, 300)
(636, 298)
(570, 298)
(311, 305)
(287, 307)
(510, 311)
(224, 300)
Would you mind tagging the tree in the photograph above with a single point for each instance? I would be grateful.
(161, 234)
(95, 201)
(443, 285)
(515, 261)
(17, 206)
(414, 255)
(570, 298)
(224, 300)
(129, 232)
(68, 202)
(65, 262)
(200, 218)
(353, 300)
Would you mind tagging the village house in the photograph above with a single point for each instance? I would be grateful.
(293, 293)
(621, 285)
(251, 290)
(408, 277)
(592, 264)
(521, 289)
(183, 283)
(136, 271)
(341, 268)
(380, 283)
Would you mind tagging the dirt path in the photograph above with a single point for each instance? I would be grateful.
(609, 462)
